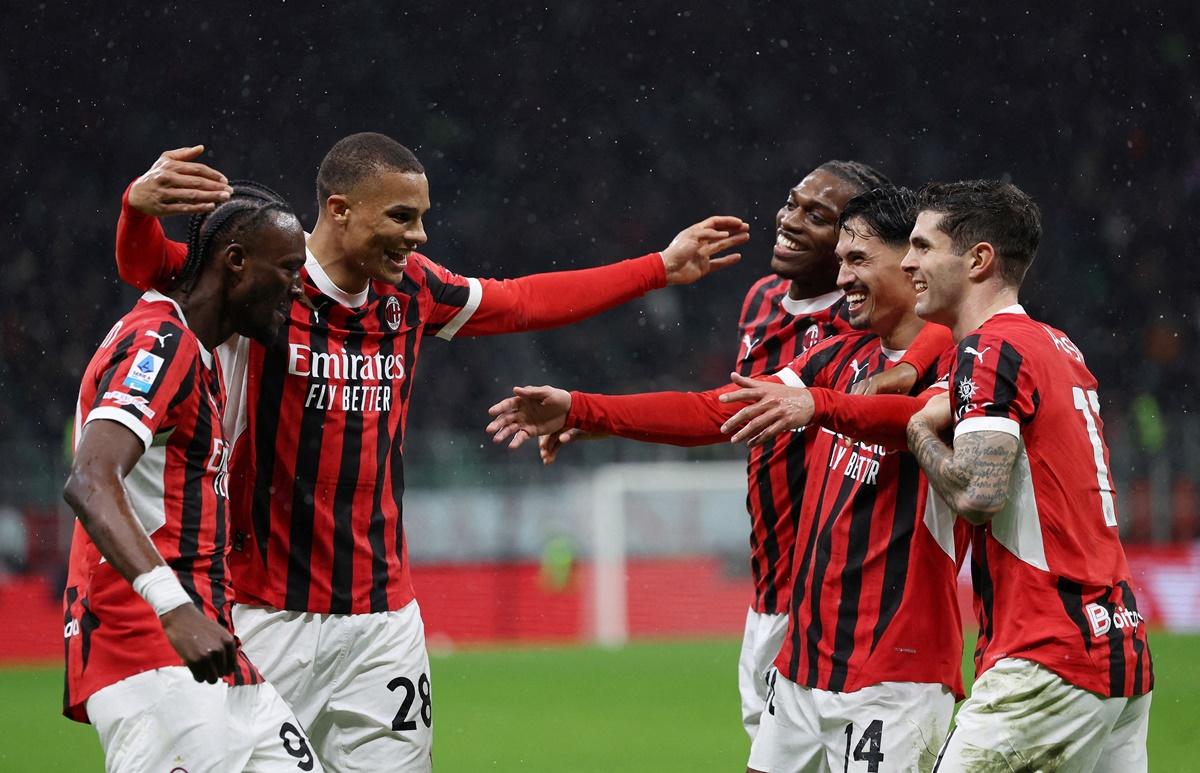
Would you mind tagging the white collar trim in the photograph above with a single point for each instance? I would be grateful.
(797, 307)
(1016, 308)
(327, 287)
(892, 354)
(154, 296)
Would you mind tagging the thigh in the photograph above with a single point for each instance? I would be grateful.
(793, 743)
(760, 644)
(1024, 716)
(380, 712)
(889, 726)
(277, 739)
(283, 646)
(160, 720)
(1124, 750)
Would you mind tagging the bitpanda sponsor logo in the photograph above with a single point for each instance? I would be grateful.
(320, 368)
(1102, 620)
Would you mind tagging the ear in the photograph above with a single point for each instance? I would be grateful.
(982, 261)
(337, 207)
(234, 257)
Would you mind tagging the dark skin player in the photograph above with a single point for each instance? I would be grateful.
(244, 288)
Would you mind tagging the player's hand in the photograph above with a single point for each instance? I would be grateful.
(548, 445)
(531, 412)
(896, 380)
(177, 185)
(691, 253)
(207, 649)
(776, 408)
(935, 414)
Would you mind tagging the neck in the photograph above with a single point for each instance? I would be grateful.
(978, 307)
(326, 246)
(811, 287)
(205, 309)
(901, 336)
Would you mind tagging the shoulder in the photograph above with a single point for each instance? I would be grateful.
(838, 349)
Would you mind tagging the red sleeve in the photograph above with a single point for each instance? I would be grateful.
(931, 343)
(879, 419)
(541, 301)
(145, 257)
(676, 418)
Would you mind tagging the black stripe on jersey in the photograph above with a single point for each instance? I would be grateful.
(770, 518)
(1116, 649)
(71, 594)
(858, 542)
(981, 581)
(1008, 368)
(964, 365)
(1071, 595)
(799, 578)
(383, 444)
(303, 510)
(88, 624)
(110, 370)
(904, 524)
(272, 375)
(413, 319)
(446, 294)
(823, 555)
(760, 330)
(1139, 647)
(342, 576)
(795, 456)
(192, 511)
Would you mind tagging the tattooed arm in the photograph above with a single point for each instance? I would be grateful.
(972, 476)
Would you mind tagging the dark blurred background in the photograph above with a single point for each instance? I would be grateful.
(570, 135)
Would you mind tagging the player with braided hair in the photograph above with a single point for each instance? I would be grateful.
(162, 677)
(319, 559)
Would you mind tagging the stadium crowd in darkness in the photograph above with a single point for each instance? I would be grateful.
(595, 131)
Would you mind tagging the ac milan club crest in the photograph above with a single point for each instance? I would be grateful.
(391, 313)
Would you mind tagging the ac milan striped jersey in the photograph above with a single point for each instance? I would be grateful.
(775, 329)
(154, 377)
(873, 595)
(317, 416)
(1051, 581)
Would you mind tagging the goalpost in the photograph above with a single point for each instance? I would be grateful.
(611, 487)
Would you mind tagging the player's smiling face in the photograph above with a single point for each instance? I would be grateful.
(806, 227)
(878, 293)
(939, 274)
(384, 223)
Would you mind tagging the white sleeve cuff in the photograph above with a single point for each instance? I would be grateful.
(474, 296)
(789, 377)
(988, 424)
(123, 418)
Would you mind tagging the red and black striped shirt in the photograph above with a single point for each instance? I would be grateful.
(876, 555)
(773, 330)
(1051, 581)
(153, 376)
(317, 416)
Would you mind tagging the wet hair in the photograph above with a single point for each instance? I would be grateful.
(858, 174)
(231, 221)
(991, 211)
(887, 212)
(359, 156)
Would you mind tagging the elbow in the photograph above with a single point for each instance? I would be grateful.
(76, 492)
(978, 510)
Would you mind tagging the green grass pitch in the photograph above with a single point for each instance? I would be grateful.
(653, 706)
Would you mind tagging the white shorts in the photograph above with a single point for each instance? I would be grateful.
(884, 727)
(760, 644)
(1024, 716)
(164, 720)
(358, 683)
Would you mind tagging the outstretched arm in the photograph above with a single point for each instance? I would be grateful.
(174, 185)
(95, 490)
(674, 418)
(973, 475)
(542, 301)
